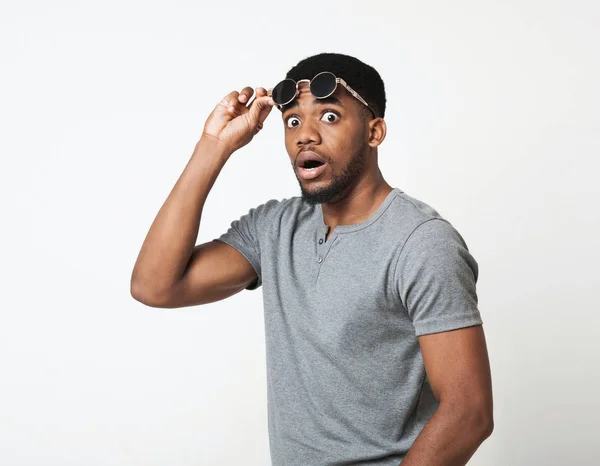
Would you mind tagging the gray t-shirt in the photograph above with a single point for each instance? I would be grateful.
(346, 383)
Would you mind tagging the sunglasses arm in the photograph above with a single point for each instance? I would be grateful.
(352, 91)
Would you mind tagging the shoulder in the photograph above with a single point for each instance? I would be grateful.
(413, 209)
(424, 234)
(275, 211)
(411, 221)
(434, 232)
(436, 249)
(280, 206)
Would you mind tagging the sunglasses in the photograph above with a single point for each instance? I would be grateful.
(321, 86)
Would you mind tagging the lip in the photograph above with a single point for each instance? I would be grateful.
(311, 173)
(308, 155)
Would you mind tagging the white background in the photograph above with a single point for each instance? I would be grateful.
(492, 119)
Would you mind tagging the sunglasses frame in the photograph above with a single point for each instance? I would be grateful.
(337, 81)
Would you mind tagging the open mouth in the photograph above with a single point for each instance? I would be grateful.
(312, 164)
(311, 169)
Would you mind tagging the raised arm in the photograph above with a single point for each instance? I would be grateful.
(171, 271)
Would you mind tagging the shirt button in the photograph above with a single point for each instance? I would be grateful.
(320, 259)
(321, 241)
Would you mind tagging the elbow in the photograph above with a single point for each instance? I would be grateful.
(489, 426)
(148, 296)
(474, 419)
(481, 421)
(486, 426)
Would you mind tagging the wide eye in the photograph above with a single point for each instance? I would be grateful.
(292, 122)
(330, 117)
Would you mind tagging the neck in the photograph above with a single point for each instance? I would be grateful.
(358, 203)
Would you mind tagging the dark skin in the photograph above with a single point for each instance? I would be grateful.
(172, 272)
(350, 191)
(352, 187)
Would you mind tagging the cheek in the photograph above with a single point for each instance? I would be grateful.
(359, 135)
(341, 138)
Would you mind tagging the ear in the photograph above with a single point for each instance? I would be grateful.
(377, 131)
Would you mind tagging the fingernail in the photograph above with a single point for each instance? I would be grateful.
(243, 97)
(231, 108)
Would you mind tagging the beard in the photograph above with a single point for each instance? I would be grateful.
(339, 183)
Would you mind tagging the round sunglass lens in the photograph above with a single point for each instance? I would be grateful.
(323, 85)
(284, 92)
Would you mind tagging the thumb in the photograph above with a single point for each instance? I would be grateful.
(260, 109)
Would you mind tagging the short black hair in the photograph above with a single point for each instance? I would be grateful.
(361, 77)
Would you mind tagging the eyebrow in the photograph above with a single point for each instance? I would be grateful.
(327, 100)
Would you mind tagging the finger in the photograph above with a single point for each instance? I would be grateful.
(229, 100)
(260, 109)
(245, 95)
(259, 104)
(232, 101)
(259, 92)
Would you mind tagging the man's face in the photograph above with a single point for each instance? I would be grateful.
(333, 128)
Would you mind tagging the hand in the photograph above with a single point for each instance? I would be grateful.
(233, 122)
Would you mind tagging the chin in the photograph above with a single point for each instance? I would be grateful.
(318, 195)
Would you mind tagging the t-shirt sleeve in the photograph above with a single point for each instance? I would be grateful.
(436, 276)
(243, 236)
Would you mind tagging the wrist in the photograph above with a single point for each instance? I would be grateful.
(211, 145)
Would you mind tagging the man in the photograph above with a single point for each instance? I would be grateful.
(375, 347)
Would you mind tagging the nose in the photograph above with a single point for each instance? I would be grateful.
(307, 134)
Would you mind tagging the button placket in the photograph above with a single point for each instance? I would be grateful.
(322, 246)
(319, 251)
(322, 249)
